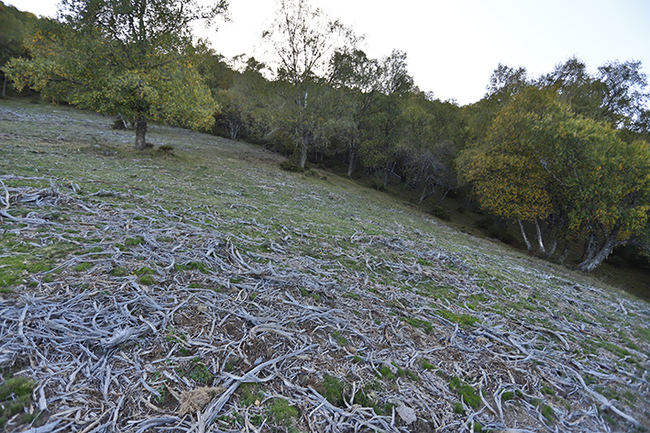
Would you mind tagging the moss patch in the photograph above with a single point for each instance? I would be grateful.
(15, 400)
(470, 397)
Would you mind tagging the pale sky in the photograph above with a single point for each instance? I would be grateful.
(454, 45)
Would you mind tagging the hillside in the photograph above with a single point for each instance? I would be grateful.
(205, 289)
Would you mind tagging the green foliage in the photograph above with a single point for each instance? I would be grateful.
(440, 212)
(118, 271)
(386, 372)
(427, 365)
(145, 270)
(200, 373)
(16, 26)
(131, 242)
(339, 338)
(542, 162)
(83, 266)
(190, 266)
(548, 412)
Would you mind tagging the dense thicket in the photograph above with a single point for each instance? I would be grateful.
(563, 157)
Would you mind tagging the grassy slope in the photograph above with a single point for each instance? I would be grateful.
(376, 256)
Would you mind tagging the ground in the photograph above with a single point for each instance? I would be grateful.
(204, 289)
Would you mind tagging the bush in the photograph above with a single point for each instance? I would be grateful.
(440, 212)
(484, 223)
(291, 165)
(377, 184)
(501, 234)
(166, 149)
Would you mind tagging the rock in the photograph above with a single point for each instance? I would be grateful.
(406, 413)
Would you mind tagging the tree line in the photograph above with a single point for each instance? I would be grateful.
(564, 157)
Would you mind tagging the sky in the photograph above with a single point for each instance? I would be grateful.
(453, 46)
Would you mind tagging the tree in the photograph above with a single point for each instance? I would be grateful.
(544, 164)
(505, 83)
(380, 144)
(610, 183)
(15, 25)
(616, 94)
(303, 39)
(504, 171)
(127, 57)
(576, 87)
(431, 131)
(245, 104)
(625, 99)
(358, 76)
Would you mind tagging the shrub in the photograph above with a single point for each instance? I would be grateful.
(440, 212)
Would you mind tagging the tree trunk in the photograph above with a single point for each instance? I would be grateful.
(4, 86)
(233, 127)
(551, 250)
(303, 154)
(540, 238)
(140, 133)
(444, 195)
(424, 194)
(565, 253)
(595, 257)
(352, 162)
(529, 247)
(386, 176)
(590, 248)
(595, 260)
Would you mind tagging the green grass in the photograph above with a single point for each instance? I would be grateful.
(131, 242)
(470, 396)
(333, 390)
(16, 400)
(339, 338)
(461, 319)
(250, 393)
(147, 280)
(81, 267)
(425, 325)
(548, 412)
(282, 412)
(427, 365)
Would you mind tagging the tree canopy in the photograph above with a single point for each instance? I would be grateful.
(122, 57)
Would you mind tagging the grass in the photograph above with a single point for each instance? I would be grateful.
(241, 191)
(461, 319)
(332, 388)
(16, 400)
(250, 394)
(425, 325)
(282, 412)
(469, 395)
